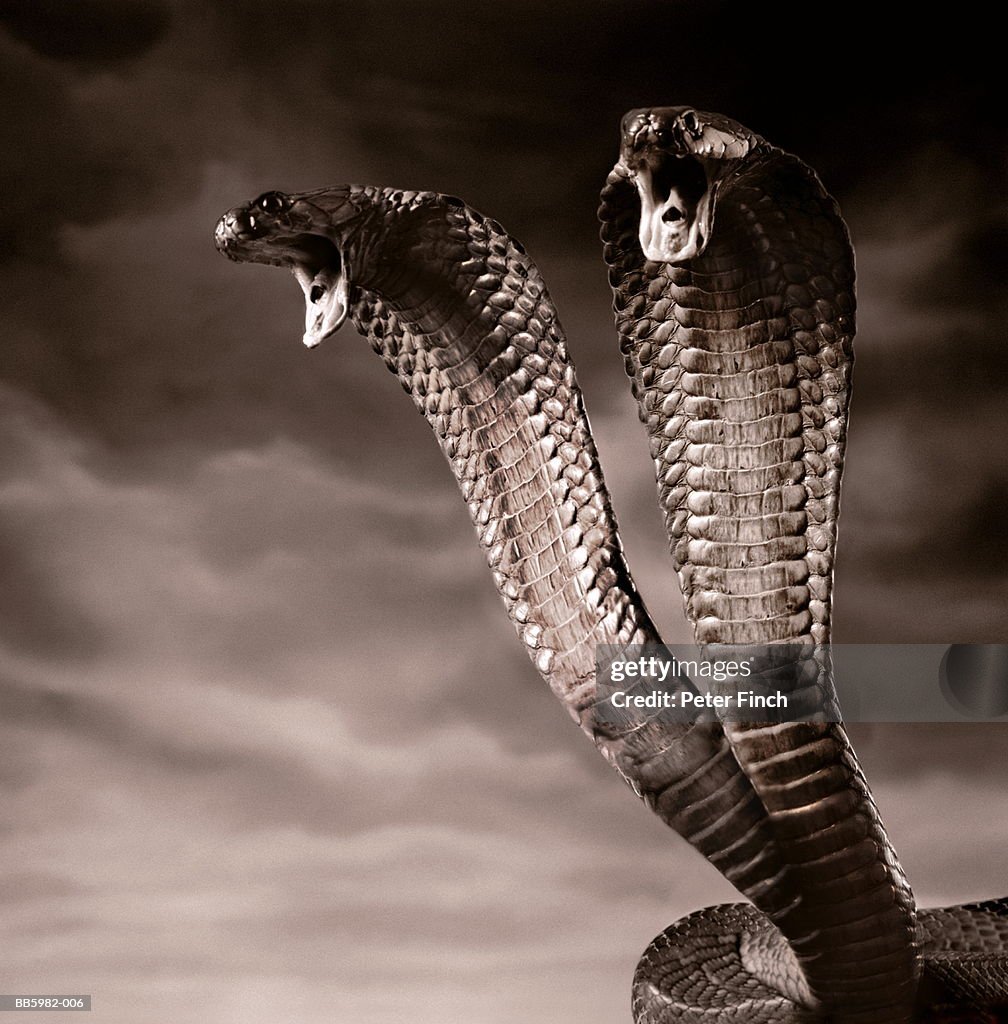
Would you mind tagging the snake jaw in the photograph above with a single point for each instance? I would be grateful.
(327, 300)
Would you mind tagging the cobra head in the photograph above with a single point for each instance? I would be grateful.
(677, 157)
(307, 233)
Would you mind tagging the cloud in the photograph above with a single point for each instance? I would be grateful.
(98, 32)
(183, 811)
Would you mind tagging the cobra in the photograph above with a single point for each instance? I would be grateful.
(733, 284)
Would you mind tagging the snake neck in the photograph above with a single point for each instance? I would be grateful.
(458, 311)
(740, 360)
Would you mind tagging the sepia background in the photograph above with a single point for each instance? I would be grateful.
(269, 749)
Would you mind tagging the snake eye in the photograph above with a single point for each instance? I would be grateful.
(692, 124)
(272, 202)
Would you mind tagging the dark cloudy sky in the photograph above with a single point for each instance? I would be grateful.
(269, 748)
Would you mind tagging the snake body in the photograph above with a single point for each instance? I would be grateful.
(737, 337)
(459, 312)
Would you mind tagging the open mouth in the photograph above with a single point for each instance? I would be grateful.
(319, 268)
(677, 203)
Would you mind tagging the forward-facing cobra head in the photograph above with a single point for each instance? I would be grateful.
(310, 234)
(678, 157)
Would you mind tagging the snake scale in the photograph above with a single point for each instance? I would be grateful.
(733, 284)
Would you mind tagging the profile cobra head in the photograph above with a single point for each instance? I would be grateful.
(309, 234)
(677, 157)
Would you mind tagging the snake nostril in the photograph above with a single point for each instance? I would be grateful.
(230, 226)
(241, 222)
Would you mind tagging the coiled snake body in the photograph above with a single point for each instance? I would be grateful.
(733, 283)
